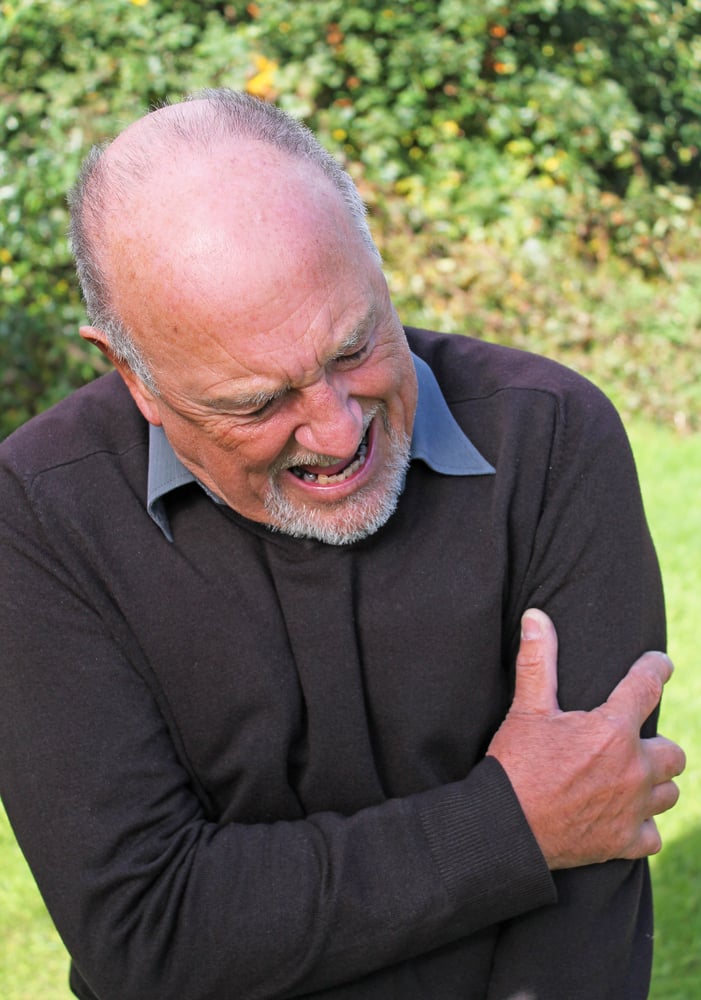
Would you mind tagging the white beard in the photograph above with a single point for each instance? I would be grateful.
(355, 516)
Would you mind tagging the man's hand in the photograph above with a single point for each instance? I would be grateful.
(588, 784)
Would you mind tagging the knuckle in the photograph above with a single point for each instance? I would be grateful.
(679, 763)
(530, 654)
(653, 837)
(652, 685)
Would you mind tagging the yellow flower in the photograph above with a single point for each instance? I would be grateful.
(339, 134)
(261, 84)
(139, 3)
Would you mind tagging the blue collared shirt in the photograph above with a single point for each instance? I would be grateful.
(437, 440)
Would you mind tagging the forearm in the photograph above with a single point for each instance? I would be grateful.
(160, 902)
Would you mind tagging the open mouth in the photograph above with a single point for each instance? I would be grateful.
(334, 474)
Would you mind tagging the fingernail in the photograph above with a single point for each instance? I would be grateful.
(530, 627)
(669, 660)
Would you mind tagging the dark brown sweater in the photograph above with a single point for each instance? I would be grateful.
(243, 766)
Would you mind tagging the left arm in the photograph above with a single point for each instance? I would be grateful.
(593, 570)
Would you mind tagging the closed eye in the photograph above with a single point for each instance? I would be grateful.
(261, 406)
(259, 410)
(355, 357)
(252, 407)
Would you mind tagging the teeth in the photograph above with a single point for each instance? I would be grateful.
(340, 477)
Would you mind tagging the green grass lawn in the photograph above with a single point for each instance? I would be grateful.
(32, 962)
(670, 471)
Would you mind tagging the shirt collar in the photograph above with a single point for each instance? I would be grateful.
(437, 439)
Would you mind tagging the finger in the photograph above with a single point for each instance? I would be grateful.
(536, 665)
(647, 842)
(663, 797)
(665, 759)
(639, 693)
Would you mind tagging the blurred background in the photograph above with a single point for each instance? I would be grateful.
(532, 172)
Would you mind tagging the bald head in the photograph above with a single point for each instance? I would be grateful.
(170, 161)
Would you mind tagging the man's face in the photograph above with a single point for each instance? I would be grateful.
(285, 381)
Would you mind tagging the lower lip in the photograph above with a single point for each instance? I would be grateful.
(335, 491)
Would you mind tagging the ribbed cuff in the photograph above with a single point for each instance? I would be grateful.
(483, 847)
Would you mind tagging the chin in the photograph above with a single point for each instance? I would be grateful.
(347, 520)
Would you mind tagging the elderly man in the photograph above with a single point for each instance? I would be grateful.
(262, 612)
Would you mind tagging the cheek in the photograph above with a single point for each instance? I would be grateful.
(379, 378)
(396, 384)
(247, 454)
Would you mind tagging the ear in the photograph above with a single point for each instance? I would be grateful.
(141, 394)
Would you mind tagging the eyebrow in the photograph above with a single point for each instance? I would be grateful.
(254, 400)
(251, 401)
(357, 334)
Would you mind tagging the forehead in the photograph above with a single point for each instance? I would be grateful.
(245, 241)
(250, 379)
(236, 198)
(275, 326)
(279, 343)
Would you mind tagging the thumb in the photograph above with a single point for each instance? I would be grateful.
(536, 666)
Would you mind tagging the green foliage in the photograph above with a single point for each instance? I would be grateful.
(33, 962)
(71, 75)
(575, 123)
(571, 95)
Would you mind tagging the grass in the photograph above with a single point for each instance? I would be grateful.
(33, 965)
(670, 470)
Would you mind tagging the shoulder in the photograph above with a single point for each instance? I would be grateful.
(470, 368)
(485, 381)
(98, 419)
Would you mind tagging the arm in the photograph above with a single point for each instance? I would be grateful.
(596, 942)
(593, 569)
(578, 751)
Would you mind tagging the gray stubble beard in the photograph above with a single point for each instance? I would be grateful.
(353, 518)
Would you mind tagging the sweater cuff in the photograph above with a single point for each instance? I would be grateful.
(483, 846)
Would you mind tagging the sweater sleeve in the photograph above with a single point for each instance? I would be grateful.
(155, 900)
(593, 569)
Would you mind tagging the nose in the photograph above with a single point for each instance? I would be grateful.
(330, 420)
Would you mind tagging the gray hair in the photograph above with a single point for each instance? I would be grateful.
(227, 114)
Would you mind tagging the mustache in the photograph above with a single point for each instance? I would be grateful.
(313, 458)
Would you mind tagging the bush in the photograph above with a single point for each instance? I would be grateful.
(501, 124)
(71, 75)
